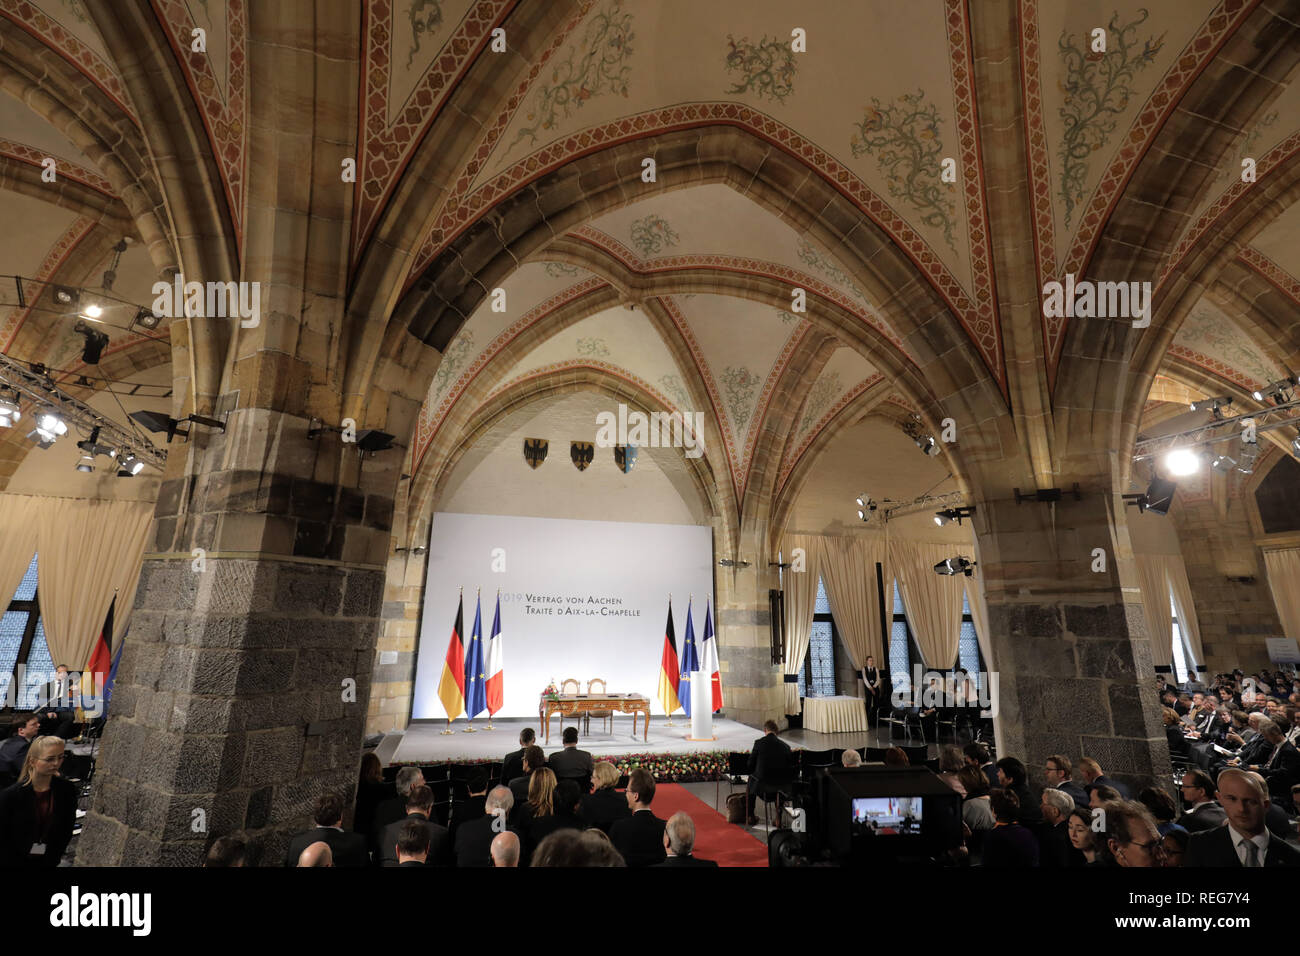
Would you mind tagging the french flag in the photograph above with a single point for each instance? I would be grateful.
(496, 680)
(709, 657)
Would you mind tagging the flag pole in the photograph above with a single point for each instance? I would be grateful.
(449, 731)
(669, 721)
(469, 729)
(489, 723)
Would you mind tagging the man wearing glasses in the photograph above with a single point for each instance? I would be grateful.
(1131, 834)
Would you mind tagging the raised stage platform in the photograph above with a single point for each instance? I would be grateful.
(424, 742)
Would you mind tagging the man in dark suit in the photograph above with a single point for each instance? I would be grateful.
(1054, 849)
(413, 841)
(771, 766)
(394, 808)
(1058, 769)
(1203, 812)
(1282, 768)
(13, 751)
(1245, 840)
(534, 759)
(474, 838)
(640, 838)
(1013, 776)
(1093, 777)
(679, 840)
(572, 763)
(54, 701)
(978, 756)
(473, 806)
(514, 761)
(438, 843)
(347, 849)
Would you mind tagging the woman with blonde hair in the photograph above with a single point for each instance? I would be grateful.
(37, 813)
(604, 806)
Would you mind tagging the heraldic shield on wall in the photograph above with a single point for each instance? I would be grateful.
(625, 457)
(535, 451)
(582, 453)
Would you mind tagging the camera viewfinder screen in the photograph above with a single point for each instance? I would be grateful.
(887, 816)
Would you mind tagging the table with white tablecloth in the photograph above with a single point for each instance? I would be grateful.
(834, 715)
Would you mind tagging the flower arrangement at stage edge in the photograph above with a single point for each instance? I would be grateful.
(552, 692)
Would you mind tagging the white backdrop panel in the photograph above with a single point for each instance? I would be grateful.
(579, 599)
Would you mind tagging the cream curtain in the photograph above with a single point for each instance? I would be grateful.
(1187, 622)
(800, 589)
(979, 612)
(1153, 581)
(933, 601)
(89, 550)
(1283, 569)
(848, 568)
(18, 534)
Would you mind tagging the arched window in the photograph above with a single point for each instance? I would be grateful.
(817, 676)
(23, 651)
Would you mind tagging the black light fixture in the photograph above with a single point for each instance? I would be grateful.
(130, 466)
(1214, 405)
(941, 518)
(64, 295)
(1047, 494)
(9, 410)
(91, 446)
(162, 422)
(1160, 495)
(1295, 447)
(866, 505)
(145, 319)
(368, 439)
(955, 565)
(1279, 392)
(95, 342)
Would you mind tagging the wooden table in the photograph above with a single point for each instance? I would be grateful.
(567, 705)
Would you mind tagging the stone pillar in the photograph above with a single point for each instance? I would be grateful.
(751, 684)
(1070, 648)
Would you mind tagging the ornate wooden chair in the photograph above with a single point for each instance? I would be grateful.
(575, 689)
(607, 715)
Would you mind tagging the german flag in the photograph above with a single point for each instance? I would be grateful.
(451, 689)
(668, 667)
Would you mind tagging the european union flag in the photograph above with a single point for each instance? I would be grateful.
(690, 664)
(475, 669)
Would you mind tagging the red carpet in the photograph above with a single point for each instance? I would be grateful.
(715, 838)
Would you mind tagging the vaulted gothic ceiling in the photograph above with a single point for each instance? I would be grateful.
(915, 125)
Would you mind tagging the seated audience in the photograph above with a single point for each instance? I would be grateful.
(851, 758)
(413, 840)
(24, 729)
(1275, 818)
(471, 808)
(1174, 734)
(1161, 806)
(577, 848)
(1131, 834)
(513, 766)
(1093, 776)
(1203, 812)
(1282, 768)
(604, 806)
(505, 850)
(391, 809)
(639, 839)
(1244, 840)
(679, 841)
(1009, 844)
(1013, 776)
(1084, 839)
(316, 854)
(571, 763)
(229, 850)
(1100, 795)
(1054, 848)
(1057, 769)
(372, 790)
(38, 813)
(438, 842)
(896, 757)
(474, 838)
(771, 769)
(976, 810)
(346, 849)
(978, 756)
(1175, 844)
(534, 759)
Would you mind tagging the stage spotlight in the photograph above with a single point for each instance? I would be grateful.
(1223, 463)
(49, 427)
(866, 505)
(95, 342)
(86, 463)
(93, 311)
(955, 565)
(1213, 405)
(9, 410)
(130, 465)
(146, 319)
(65, 296)
(1181, 462)
(1160, 495)
(941, 518)
(1279, 391)
(1295, 447)
(91, 447)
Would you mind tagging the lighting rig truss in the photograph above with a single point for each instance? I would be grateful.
(37, 388)
(951, 500)
(1219, 430)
